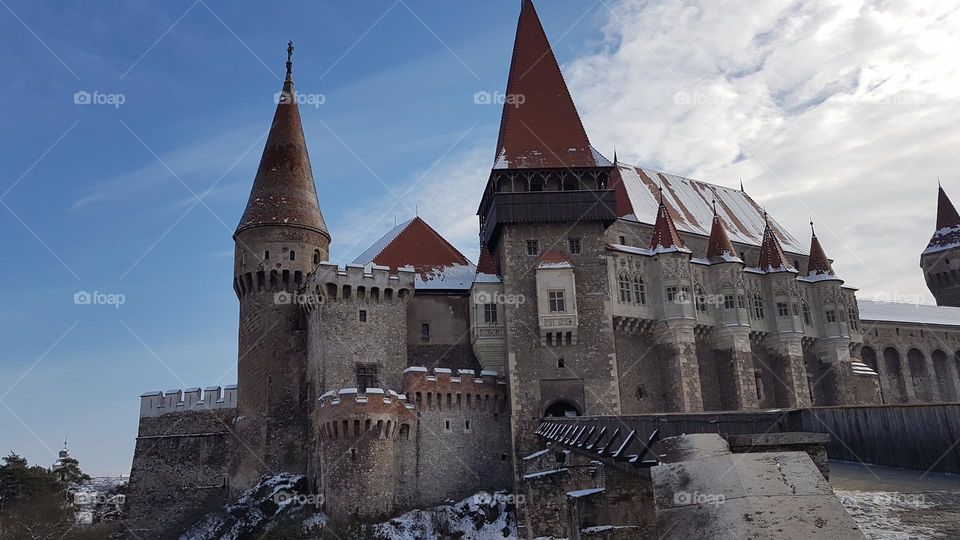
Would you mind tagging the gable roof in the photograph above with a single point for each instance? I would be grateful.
(540, 126)
(414, 243)
(690, 205)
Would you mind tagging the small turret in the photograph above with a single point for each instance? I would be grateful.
(665, 238)
(772, 258)
(940, 259)
(818, 266)
(719, 248)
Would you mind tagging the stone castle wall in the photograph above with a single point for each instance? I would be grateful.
(180, 469)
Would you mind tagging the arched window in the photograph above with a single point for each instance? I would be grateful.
(293, 255)
(316, 256)
(562, 408)
(757, 306)
(639, 291)
(623, 285)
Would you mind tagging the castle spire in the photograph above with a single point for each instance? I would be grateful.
(818, 265)
(719, 248)
(947, 216)
(283, 191)
(772, 258)
(665, 237)
(540, 126)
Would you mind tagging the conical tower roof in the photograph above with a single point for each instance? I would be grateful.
(665, 237)
(540, 126)
(947, 235)
(719, 248)
(772, 258)
(283, 191)
(818, 266)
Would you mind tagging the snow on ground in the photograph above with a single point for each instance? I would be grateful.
(480, 517)
(98, 493)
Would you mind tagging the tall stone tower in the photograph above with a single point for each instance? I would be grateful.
(280, 240)
(543, 216)
(941, 259)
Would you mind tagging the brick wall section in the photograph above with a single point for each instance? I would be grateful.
(180, 470)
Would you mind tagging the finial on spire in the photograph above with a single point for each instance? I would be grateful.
(741, 185)
(614, 154)
(812, 232)
(714, 207)
(289, 60)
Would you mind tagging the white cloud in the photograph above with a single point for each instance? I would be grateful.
(840, 110)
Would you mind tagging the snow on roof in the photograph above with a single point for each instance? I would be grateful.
(457, 276)
(691, 205)
(371, 252)
(872, 310)
(536, 454)
(540, 474)
(554, 259)
(584, 492)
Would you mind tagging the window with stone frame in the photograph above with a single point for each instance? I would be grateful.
(831, 316)
(852, 317)
(366, 376)
(639, 290)
(741, 302)
(671, 294)
(758, 306)
(557, 302)
(796, 309)
(490, 314)
(728, 302)
(700, 300)
(533, 247)
(424, 331)
(574, 244)
(783, 309)
(623, 286)
(362, 315)
(806, 313)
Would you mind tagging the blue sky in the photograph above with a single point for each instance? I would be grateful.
(839, 110)
(101, 197)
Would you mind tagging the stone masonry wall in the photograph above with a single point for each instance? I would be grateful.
(180, 470)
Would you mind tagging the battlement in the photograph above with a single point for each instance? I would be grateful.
(370, 283)
(349, 413)
(158, 403)
(443, 389)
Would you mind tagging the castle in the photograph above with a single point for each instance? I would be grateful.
(412, 376)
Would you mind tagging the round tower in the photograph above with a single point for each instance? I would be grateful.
(279, 241)
(941, 259)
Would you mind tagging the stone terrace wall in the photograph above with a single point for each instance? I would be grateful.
(179, 470)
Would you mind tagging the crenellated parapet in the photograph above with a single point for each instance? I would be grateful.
(370, 283)
(158, 403)
(463, 389)
(377, 413)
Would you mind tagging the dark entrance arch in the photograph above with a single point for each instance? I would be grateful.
(562, 407)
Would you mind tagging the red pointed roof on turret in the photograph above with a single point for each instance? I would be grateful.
(818, 266)
(413, 243)
(772, 259)
(947, 235)
(540, 127)
(665, 237)
(283, 191)
(719, 248)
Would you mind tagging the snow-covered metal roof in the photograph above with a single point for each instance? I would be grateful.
(691, 205)
(872, 310)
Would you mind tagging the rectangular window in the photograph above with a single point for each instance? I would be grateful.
(831, 316)
(806, 313)
(574, 245)
(366, 376)
(623, 285)
(783, 310)
(671, 294)
(362, 316)
(741, 303)
(623, 240)
(490, 313)
(728, 301)
(533, 247)
(557, 302)
(425, 332)
(796, 309)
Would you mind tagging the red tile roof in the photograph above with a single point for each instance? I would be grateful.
(772, 259)
(554, 259)
(719, 248)
(818, 265)
(665, 235)
(283, 191)
(487, 263)
(416, 244)
(540, 127)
